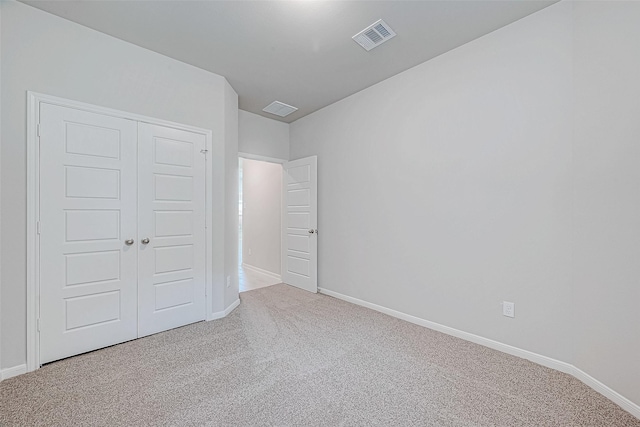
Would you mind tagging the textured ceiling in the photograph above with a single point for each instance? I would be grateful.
(297, 52)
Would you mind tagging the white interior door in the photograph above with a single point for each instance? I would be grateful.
(88, 293)
(171, 238)
(300, 223)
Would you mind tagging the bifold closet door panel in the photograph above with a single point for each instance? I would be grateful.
(87, 212)
(171, 232)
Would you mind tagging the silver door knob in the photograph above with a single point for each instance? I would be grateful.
(312, 231)
(129, 242)
(145, 241)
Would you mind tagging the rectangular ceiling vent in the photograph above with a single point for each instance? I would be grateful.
(279, 108)
(374, 35)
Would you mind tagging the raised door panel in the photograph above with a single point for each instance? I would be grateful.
(87, 209)
(171, 206)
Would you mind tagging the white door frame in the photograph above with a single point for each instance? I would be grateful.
(33, 192)
(261, 158)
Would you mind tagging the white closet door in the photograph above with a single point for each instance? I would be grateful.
(171, 209)
(88, 296)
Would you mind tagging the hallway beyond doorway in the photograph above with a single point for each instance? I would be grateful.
(259, 232)
(250, 279)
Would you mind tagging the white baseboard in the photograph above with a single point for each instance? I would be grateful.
(231, 307)
(226, 312)
(261, 271)
(549, 362)
(607, 392)
(22, 369)
(13, 372)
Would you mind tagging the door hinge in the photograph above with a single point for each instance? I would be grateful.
(38, 129)
(38, 324)
(38, 227)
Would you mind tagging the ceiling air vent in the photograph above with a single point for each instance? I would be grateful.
(279, 108)
(374, 35)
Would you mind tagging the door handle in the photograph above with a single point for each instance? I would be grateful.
(311, 231)
(129, 242)
(145, 241)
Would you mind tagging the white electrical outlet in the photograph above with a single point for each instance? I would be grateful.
(228, 281)
(508, 309)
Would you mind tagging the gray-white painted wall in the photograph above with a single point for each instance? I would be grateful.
(231, 195)
(446, 189)
(261, 136)
(48, 54)
(460, 183)
(261, 214)
(0, 187)
(606, 189)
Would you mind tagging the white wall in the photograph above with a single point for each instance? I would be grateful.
(47, 54)
(231, 196)
(446, 189)
(0, 189)
(262, 136)
(606, 162)
(261, 214)
(459, 183)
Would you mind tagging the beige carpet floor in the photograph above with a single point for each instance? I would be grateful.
(286, 357)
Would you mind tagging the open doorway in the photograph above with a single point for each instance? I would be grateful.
(260, 229)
